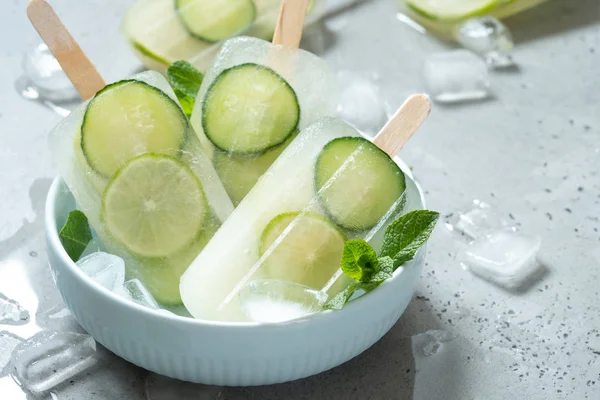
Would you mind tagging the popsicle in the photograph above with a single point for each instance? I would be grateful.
(164, 31)
(254, 100)
(330, 185)
(135, 167)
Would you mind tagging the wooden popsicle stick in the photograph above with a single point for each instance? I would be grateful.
(290, 22)
(403, 124)
(72, 59)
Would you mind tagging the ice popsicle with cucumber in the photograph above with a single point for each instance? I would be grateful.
(330, 185)
(257, 96)
(135, 166)
(164, 31)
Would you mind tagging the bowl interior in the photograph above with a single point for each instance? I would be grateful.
(60, 202)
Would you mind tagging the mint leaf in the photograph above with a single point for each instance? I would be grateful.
(187, 102)
(407, 234)
(401, 241)
(359, 260)
(75, 234)
(185, 80)
(338, 302)
(386, 269)
(184, 77)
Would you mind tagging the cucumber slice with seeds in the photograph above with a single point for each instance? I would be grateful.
(308, 254)
(154, 206)
(129, 118)
(357, 182)
(215, 20)
(249, 109)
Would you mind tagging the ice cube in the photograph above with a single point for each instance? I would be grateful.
(8, 342)
(270, 300)
(489, 38)
(477, 222)
(25, 88)
(46, 75)
(135, 291)
(428, 343)
(456, 76)
(106, 269)
(360, 103)
(11, 312)
(160, 387)
(504, 257)
(94, 246)
(48, 359)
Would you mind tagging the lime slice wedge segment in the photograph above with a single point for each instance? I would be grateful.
(451, 10)
(305, 248)
(154, 205)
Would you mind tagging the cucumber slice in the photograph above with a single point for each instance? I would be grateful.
(215, 20)
(451, 10)
(357, 182)
(97, 181)
(144, 53)
(240, 173)
(129, 118)
(309, 253)
(154, 206)
(157, 35)
(249, 109)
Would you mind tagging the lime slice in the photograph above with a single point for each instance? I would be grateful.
(154, 206)
(309, 253)
(451, 10)
(161, 275)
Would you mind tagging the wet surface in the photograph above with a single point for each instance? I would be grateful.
(532, 153)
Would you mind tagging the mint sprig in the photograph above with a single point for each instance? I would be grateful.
(359, 260)
(185, 80)
(338, 301)
(407, 234)
(75, 234)
(401, 241)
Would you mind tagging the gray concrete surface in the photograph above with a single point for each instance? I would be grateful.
(532, 152)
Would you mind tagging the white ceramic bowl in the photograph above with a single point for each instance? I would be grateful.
(232, 354)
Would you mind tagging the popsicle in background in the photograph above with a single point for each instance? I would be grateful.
(135, 166)
(257, 96)
(330, 185)
(163, 31)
